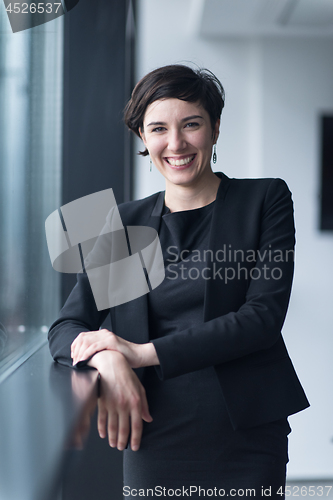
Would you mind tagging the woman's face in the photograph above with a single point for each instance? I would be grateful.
(179, 137)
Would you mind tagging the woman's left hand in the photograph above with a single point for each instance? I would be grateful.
(89, 343)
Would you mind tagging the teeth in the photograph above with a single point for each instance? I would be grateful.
(177, 163)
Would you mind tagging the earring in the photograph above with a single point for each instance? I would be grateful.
(214, 154)
(151, 164)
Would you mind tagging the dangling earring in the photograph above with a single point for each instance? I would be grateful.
(151, 164)
(214, 154)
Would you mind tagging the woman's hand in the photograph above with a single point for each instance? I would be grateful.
(123, 403)
(89, 343)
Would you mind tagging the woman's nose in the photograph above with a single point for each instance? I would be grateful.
(176, 141)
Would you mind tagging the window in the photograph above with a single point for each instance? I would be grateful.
(31, 64)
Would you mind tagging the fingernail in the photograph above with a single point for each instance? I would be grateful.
(135, 447)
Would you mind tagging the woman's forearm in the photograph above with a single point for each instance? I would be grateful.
(89, 343)
(148, 354)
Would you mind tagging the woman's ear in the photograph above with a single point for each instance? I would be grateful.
(216, 131)
(142, 135)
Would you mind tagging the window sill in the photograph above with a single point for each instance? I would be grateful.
(41, 404)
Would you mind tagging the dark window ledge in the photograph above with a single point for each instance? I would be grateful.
(41, 404)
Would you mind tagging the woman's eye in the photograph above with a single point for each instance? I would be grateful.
(158, 129)
(192, 124)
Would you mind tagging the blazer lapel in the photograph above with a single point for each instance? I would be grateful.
(226, 289)
(135, 312)
(217, 292)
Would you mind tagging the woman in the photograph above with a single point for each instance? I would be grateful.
(208, 406)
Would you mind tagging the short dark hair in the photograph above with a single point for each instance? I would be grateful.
(174, 81)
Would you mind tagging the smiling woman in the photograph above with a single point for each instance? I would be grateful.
(179, 122)
(196, 372)
(180, 147)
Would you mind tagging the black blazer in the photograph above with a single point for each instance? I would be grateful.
(252, 240)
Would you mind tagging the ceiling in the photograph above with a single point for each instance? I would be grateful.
(225, 18)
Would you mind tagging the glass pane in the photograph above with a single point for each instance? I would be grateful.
(30, 183)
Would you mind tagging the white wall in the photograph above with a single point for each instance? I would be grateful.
(297, 87)
(275, 92)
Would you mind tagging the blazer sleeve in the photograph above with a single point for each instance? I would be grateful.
(257, 323)
(79, 314)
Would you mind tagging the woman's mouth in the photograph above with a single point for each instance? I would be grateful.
(181, 162)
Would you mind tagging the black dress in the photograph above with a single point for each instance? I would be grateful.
(191, 443)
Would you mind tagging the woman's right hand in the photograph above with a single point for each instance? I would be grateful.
(123, 403)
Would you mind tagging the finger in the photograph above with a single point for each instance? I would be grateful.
(102, 419)
(78, 339)
(136, 430)
(113, 428)
(86, 342)
(73, 348)
(73, 344)
(123, 430)
(90, 343)
(76, 345)
(83, 336)
(87, 352)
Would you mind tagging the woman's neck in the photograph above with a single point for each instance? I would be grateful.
(179, 198)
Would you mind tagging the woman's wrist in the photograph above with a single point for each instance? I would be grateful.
(148, 355)
(145, 356)
(103, 358)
